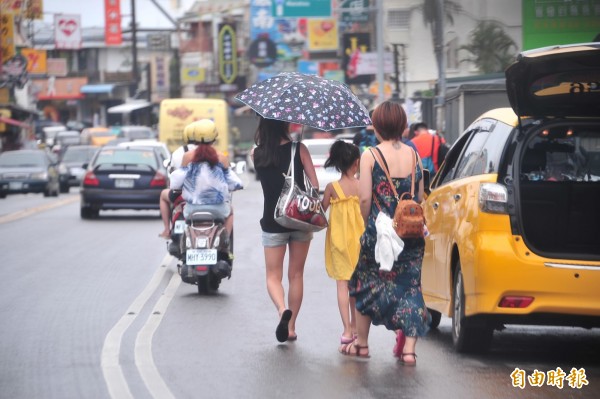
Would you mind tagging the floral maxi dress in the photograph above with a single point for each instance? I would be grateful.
(392, 298)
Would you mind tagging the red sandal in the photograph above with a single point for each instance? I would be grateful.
(405, 363)
(345, 350)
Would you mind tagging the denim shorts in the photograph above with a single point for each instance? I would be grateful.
(279, 239)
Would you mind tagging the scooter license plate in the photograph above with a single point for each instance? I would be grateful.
(201, 257)
(179, 227)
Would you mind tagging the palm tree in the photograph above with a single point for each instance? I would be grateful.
(490, 48)
(434, 13)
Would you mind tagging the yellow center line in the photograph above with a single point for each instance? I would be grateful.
(11, 217)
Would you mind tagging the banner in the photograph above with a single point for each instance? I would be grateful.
(112, 26)
(56, 66)
(67, 31)
(322, 34)
(355, 44)
(36, 60)
(7, 37)
(227, 47)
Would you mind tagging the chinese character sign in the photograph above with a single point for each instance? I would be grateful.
(7, 42)
(228, 68)
(67, 31)
(112, 27)
(36, 60)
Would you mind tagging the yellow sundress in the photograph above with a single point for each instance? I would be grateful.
(342, 241)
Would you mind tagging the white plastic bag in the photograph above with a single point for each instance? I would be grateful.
(388, 245)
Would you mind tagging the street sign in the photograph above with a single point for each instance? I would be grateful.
(301, 8)
(355, 11)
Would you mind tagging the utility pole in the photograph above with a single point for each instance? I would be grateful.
(380, 61)
(134, 68)
(441, 58)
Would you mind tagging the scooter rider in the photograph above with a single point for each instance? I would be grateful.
(205, 177)
(168, 196)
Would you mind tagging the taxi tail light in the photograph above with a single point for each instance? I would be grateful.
(515, 301)
(90, 179)
(493, 198)
(159, 180)
(201, 268)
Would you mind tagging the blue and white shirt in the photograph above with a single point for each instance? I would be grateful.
(203, 185)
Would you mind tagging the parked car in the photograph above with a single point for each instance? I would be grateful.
(122, 178)
(28, 171)
(135, 132)
(319, 152)
(513, 215)
(71, 165)
(50, 134)
(39, 126)
(64, 139)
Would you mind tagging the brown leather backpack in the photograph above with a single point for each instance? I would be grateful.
(408, 220)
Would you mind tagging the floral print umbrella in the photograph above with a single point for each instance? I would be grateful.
(307, 100)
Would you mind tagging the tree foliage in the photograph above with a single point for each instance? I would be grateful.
(490, 48)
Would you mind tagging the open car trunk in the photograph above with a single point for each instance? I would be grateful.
(559, 189)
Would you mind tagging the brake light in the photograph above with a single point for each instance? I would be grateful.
(201, 268)
(159, 180)
(515, 301)
(493, 198)
(90, 179)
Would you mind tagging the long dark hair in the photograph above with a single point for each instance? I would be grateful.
(267, 139)
(342, 155)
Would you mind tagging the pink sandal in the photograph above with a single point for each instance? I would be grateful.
(400, 341)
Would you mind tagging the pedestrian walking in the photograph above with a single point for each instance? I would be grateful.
(272, 158)
(428, 147)
(346, 225)
(393, 299)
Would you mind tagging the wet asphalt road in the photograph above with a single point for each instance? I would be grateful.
(94, 309)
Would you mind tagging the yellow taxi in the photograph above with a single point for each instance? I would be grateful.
(514, 212)
(97, 136)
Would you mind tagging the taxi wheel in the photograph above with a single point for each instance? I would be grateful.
(468, 336)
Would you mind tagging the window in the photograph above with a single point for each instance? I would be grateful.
(398, 19)
(474, 157)
(452, 54)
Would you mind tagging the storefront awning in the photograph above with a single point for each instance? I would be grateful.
(128, 107)
(97, 89)
(14, 122)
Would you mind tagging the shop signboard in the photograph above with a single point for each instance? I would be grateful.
(301, 8)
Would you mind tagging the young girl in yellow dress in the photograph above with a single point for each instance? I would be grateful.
(346, 225)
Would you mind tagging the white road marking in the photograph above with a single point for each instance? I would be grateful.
(11, 217)
(113, 374)
(143, 344)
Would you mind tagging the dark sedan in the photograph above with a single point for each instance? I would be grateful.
(71, 165)
(28, 171)
(122, 178)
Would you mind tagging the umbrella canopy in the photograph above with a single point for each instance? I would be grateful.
(307, 100)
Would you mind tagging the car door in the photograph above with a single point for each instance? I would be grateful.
(434, 258)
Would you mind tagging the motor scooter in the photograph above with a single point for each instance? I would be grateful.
(177, 223)
(206, 249)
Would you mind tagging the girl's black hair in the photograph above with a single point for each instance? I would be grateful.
(267, 139)
(342, 155)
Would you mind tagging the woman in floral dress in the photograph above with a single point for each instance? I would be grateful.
(393, 299)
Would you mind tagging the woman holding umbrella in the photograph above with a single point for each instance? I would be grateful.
(272, 158)
(309, 100)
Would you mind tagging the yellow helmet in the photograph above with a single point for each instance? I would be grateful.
(202, 131)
